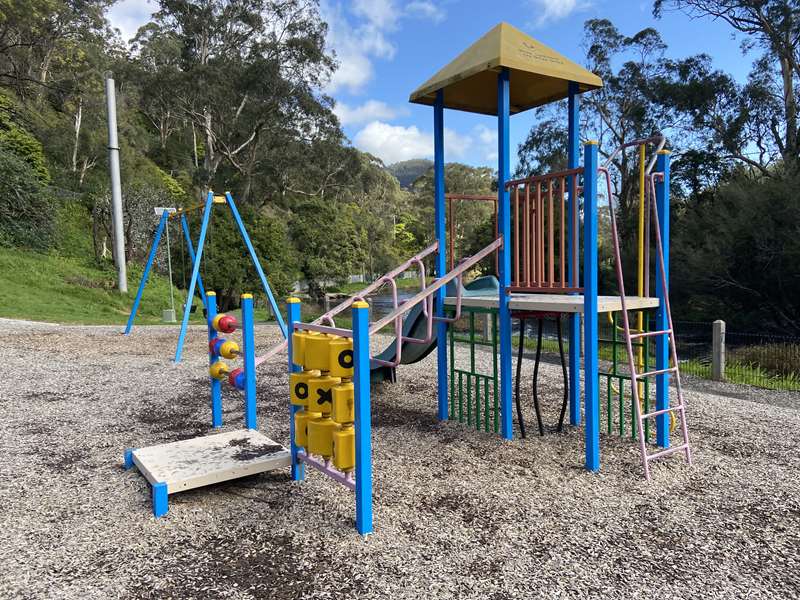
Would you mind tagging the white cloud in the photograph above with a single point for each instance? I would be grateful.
(129, 15)
(371, 110)
(425, 10)
(359, 31)
(555, 10)
(487, 142)
(393, 143)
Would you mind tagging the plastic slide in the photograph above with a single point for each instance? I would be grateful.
(414, 325)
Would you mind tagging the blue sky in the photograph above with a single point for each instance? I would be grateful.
(386, 48)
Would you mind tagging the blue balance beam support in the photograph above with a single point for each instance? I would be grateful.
(590, 314)
(662, 320)
(195, 274)
(127, 460)
(190, 249)
(160, 497)
(363, 422)
(150, 258)
(293, 316)
(504, 259)
(441, 238)
(256, 263)
(573, 158)
(216, 385)
(249, 350)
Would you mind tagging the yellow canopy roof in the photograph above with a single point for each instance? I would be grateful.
(538, 74)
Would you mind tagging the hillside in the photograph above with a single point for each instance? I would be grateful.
(408, 171)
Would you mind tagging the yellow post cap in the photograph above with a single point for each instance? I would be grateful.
(664, 151)
(293, 300)
(247, 296)
(360, 304)
(211, 293)
(591, 143)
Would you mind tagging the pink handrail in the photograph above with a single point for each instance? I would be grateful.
(390, 276)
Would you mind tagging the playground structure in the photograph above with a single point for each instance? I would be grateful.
(195, 256)
(547, 267)
(196, 462)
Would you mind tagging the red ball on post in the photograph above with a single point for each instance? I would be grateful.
(224, 323)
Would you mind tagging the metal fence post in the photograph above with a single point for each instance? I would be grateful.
(718, 350)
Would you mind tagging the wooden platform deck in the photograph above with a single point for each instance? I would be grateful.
(201, 461)
(556, 302)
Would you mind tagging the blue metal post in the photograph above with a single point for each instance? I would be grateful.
(160, 496)
(195, 274)
(127, 460)
(573, 159)
(190, 248)
(216, 386)
(441, 262)
(256, 263)
(363, 417)
(662, 320)
(591, 399)
(249, 339)
(504, 226)
(150, 258)
(293, 316)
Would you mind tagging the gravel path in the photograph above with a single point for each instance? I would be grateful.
(458, 514)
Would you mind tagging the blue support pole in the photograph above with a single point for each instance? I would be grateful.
(249, 342)
(574, 329)
(662, 319)
(293, 316)
(195, 274)
(190, 249)
(363, 422)
(160, 497)
(216, 385)
(441, 261)
(504, 259)
(256, 263)
(127, 460)
(590, 315)
(150, 258)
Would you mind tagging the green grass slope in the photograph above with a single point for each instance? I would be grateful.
(46, 287)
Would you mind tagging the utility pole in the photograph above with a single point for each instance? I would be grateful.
(116, 188)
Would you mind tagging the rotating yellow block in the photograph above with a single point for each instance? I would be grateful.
(317, 351)
(320, 436)
(344, 448)
(299, 387)
(343, 403)
(320, 393)
(301, 420)
(219, 370)
(341, 357)
(299, 339)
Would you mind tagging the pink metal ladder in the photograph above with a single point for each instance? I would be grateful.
(679, 409)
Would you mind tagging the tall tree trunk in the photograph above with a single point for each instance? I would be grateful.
(76, 142)
(790, 152)
(194, 145)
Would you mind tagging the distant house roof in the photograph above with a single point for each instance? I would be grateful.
(538, 74)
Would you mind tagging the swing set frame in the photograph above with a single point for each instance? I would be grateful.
(195, 256)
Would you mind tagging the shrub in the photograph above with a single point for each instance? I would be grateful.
(27, 212)
(775, 358)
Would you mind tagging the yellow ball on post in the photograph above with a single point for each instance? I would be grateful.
(229, 349)
(219, 370)
(340, 360)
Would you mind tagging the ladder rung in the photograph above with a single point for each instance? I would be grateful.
(655, 413)
(666, 451)
(650, 333)
(651, 373)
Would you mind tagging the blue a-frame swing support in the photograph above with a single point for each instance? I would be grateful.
(196, 268)
(163, 223)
